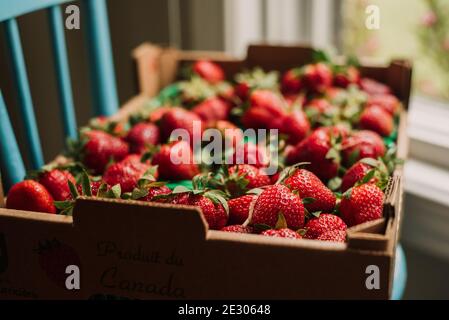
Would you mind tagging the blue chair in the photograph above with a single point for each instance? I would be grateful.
(102, 77)
(400, 274)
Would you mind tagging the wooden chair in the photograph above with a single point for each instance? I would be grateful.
(101, 69)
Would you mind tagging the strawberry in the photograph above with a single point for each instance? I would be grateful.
(291, 82)
(333, 235)
(294, 125)
(362, 144)
(142, 135)
(265, 105)
(320, 111)
(54, 257)
(214, 212)
(238, 228)
(178, 118)
(239, 208)
(278, 200)
(321, 150)
(55, 181)
(155, 191)
(375, 118)
(373, 87)
(388, 102)
(173, 198)
(242, 90)
(335, 93)
(361, 204)
(317, 77)
(346, 76)
(30, 195)
(212, 109)
(324, 223)
(175, 161)
(282, 233)
(126, 173)
(308, 185)
(94, 187)
(209, 71)
(101, 148)
(244, 177)
(250, 153)
(230, 133)
(253, 80)
(356, 173)
(158, 113)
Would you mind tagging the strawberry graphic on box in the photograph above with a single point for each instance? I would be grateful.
(54, 257)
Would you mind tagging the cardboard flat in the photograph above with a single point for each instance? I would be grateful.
(131, 249)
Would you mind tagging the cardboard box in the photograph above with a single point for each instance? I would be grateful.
(131, 249)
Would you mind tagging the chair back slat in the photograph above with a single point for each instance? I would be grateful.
(62, 71)
(25, 101)
(101, 63)
(15, 8)
(11, 161)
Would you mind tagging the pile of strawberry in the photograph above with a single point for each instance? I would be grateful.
(336, 153)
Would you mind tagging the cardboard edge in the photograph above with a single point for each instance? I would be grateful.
(216, 235)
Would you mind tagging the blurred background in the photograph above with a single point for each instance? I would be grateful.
(415, 29)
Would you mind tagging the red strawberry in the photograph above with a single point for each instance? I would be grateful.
(30, 195)
(282, 233)
(54, 257)
(320, 111)
(316, 149)
(142, 135)
(265, 105)
(244, 177)
(212, 109)
(361, 204)
(239, 208)
(362, 144)
(275, 200)
(175, 161)
(94, 187)
(388, 102)
(347, 76)
(158, 113)
(317, 77)
(214, 213)
(375, 118)
(250, 153)
(231, 134)
(56, 182)
(209, 71)
(242, 90)
(295, 125)
(126, 173)
(308, 185)
(156, 191)
(291, 82)
(174, 198)
(372, 86)
(238, 229)
(334, 93)
(333, 235)
(354, 174)
(101, 148)
(324, 223)
(178, 118)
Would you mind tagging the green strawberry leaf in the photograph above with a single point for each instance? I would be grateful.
(334, 183)
(103, 191)
(115, 192)
(62, 205)
(73, 190)
(85, 184)
(281, 222)
(316, 214)
(139, 193)
(180, 189)
(368, 176)
(370, 161)
(308, 200)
